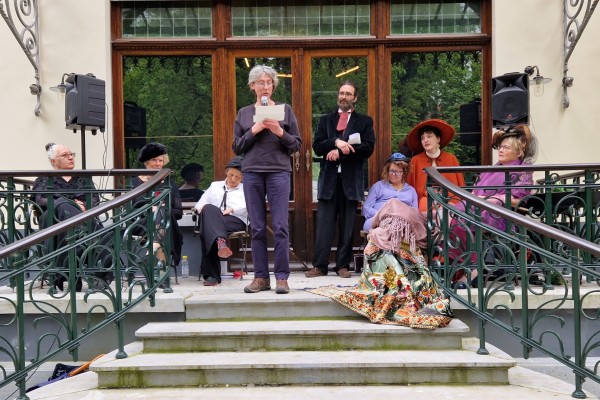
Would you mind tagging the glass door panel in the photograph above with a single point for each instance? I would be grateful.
(168, 99)
(282, 94)
(438, 85)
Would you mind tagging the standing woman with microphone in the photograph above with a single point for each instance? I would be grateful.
(266, 146)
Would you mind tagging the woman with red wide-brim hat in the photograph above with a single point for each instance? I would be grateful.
(426, 140)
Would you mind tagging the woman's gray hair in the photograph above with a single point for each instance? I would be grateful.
(259, 70)
(51, 150)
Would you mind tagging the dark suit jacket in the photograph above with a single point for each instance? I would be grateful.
(352, 164)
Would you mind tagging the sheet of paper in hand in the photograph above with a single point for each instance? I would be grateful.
(276, 112)
(354, 138)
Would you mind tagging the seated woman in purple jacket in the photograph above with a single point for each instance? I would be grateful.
(516, 146)
(391, 186)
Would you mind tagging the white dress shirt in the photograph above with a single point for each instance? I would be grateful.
(235, 199)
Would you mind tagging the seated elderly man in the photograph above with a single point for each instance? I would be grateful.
(222, 210)
(69, 198)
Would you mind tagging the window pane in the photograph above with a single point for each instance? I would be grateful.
(436, 85)
(166, 19)
(169, 100)
(312, 18)
(412, 17)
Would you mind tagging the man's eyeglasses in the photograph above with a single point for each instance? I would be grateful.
(67, 155)
(263, 83)
(345, 94)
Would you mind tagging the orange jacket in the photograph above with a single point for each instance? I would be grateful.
(418, 179)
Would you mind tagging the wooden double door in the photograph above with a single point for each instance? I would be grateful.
(309, 82)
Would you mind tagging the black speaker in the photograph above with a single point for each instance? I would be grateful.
(84, 102)
(135, 125)
(470, 123)
(510, 99)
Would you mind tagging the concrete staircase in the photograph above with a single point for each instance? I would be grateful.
(307, 352)
(300, 346)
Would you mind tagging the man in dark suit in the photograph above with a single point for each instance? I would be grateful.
(344, 139)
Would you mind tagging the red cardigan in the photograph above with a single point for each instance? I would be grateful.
(418, 179)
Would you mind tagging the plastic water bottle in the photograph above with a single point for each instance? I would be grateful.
(185, 267)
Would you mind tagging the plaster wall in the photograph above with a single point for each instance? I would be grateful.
(74, 37)
(531, 33)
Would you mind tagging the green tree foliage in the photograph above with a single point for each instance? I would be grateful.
(176, 93)
(434, 85)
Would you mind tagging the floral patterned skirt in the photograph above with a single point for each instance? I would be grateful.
(394, 289)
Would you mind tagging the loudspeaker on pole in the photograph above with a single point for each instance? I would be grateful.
(510, 99)
(84, 102)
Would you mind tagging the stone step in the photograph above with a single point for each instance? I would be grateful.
(332, 335)
(360, 367)
(296, 304)
(528, 386)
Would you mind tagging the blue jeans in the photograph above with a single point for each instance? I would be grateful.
(276, 187)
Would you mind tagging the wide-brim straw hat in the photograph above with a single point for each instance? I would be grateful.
(446, 130)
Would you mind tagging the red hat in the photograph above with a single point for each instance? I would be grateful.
(445, 130)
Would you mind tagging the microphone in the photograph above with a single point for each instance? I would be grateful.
(264, 101)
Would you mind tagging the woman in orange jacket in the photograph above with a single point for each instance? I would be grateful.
(426, 140)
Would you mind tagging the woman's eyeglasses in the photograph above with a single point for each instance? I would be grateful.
(263, 84)
(67, 155)
(394, 172)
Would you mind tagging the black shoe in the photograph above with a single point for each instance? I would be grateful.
(164, 284)
(78, 284)
(60, 282)
(210, 281)
(459, 285)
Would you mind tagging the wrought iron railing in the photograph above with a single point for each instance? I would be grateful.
(114, 252)
(548, 246)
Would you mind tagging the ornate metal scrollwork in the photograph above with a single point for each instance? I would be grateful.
(577, 14)
(24, 26)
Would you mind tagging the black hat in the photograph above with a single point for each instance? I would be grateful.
(235, 162)
(191, 168)
(151, 150)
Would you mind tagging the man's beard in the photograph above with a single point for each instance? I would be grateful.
(344, 106)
